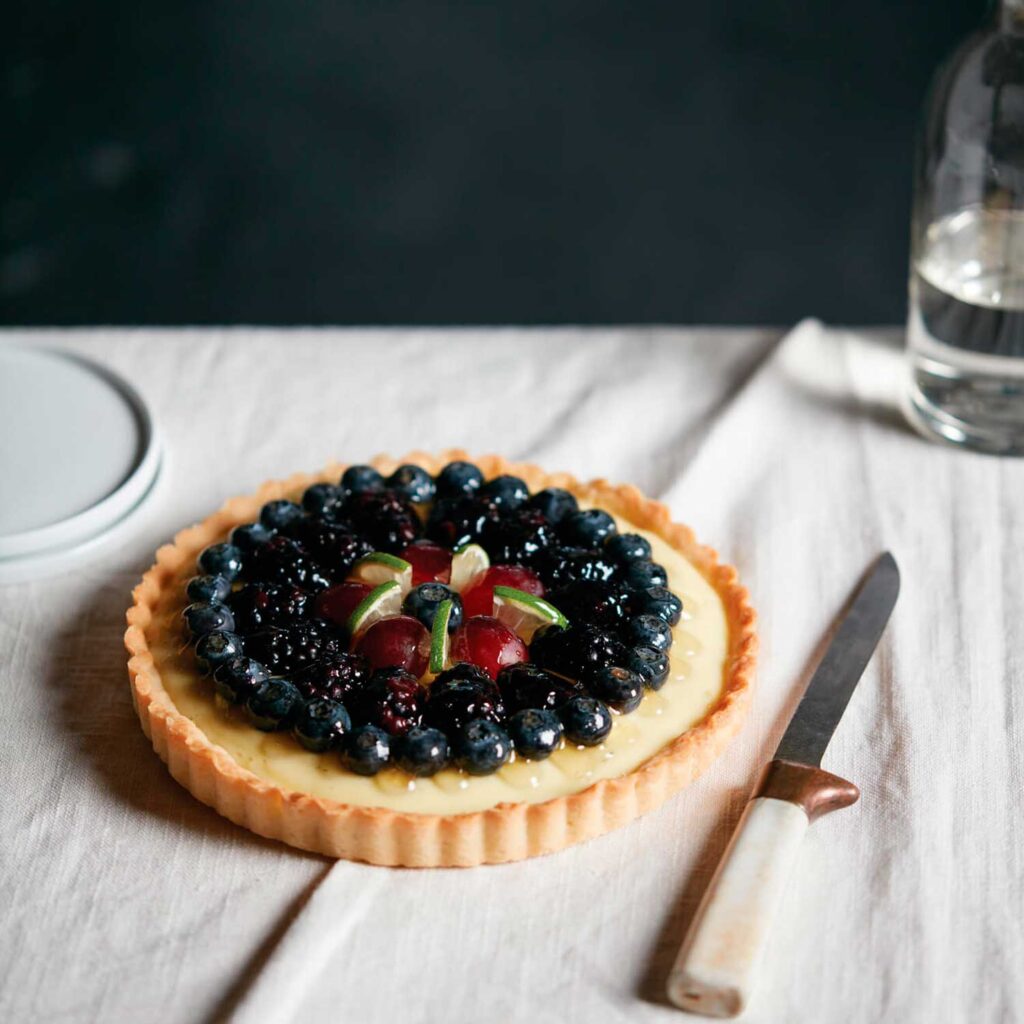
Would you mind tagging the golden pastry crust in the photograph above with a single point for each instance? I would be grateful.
(506, 832)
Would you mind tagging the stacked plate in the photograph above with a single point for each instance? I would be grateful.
(79, 460)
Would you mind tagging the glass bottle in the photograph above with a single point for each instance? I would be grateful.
(965, 334)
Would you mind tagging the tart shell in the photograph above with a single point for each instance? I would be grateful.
(506, 832)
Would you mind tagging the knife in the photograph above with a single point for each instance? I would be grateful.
(717, 966)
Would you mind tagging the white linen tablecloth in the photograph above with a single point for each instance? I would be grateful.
(124, 899)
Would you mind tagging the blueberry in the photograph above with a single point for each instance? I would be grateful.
(555, 504)
(249, 536)
(423, 602)
(620, 688)
(413, 482)
(366, 750)
(422, 751)
(482, 747)
(587, 529)
(276, 515)
(649, 630)
(659, 601)
(221, 560)
(236, 680)
(627, 547)
(214, 649)
(586, 721)
(322, 498)
(644, 575)
(321, 724)
(536, 732)
(458, 478)
(507, 492)
(208, 617)
(272, 704)
(361, 480)
(204, 589)
(650, 664)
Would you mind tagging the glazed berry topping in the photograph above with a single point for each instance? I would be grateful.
(386, 519)
(601, 602)
(535, 732)
(361, 480)
(249, 536)
(649, 630)
(627, 547)
(322, 498)
(422, 751)
(482, 747)
(321, 724)
(237, 679)
(658, 601)
(478, 599)
(332, 544)
(518, 538)
(276, 515)
(587, 529)
(423, 602)
(455, 522)
(528, 686)
(337, 676)
(272, 704)
(455, 701)
(620, 688)
(586, 721)
(507, 492)
(283, 560)
(650, 664)
(215, 649)
(366, 750)
(560, 565)
(576, 651)
(208, 617)
(400, 641)
(644, 575)
(206, 589)
(392, 700)
(458, 478)
(412, 482)
(554, 503)
(258, 605)
(489, 644)
(287, 651)
(430, 562)
(221, 560)
(337, 603)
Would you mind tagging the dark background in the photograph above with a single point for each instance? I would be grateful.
(309, 161)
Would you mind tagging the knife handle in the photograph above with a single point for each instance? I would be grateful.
(717, 966)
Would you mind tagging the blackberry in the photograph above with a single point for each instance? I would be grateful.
(659, 601)
(392, 700)
(560, 565)
(339, 676)
(519, 537)
(385, 518)
(554, 503)
(334, 545)
(361, 480)
(620, 688)
(528, 686)
(643, 575)
(576, 651)
(458, 478)
(366, 750)
(288, 651)
(272, 704)
(283, 560)
(258, 605)
(422, 751)
(586, 721)
(482, 747)
(506, 491)
(627, 547)
(650, 664)
(322, 498)
(456, 699)
(221, 560)
(276, 515)
(535, 732)
(648, 630)
(600, 602)
(321, 724)
(455, 522)
(587, 529)
(412, 482)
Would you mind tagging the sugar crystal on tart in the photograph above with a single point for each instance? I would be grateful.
(439, 660)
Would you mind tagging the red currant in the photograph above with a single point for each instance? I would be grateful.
(430, 562)
(489, 644)
(400, 641)
(478, 599)
(337, 603)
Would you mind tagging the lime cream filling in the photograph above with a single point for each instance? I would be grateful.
(698, 661)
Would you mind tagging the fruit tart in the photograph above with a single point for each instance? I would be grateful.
(437, 661)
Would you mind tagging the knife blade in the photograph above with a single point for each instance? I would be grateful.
(717, 965)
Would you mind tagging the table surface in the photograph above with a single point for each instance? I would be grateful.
(126, 899)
